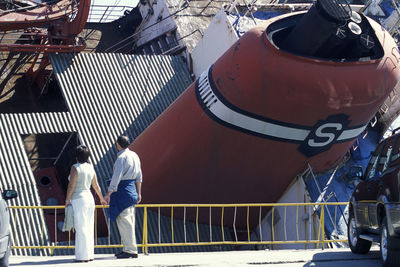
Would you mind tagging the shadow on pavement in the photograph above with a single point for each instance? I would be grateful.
(330, 258)
(49, 262)
(58, 261)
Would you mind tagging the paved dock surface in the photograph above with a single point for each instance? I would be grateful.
(290, 258)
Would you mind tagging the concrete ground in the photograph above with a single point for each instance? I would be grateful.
(289, 258)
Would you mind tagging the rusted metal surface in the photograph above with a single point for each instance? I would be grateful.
(49, 48)
(64, 21)
(36, 17)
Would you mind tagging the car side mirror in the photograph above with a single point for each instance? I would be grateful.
(356, 172)
(9, 194)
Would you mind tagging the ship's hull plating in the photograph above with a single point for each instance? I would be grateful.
(256, 119)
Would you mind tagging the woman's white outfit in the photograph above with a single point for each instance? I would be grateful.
(83, 205)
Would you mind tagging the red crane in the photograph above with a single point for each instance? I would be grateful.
(59, 23)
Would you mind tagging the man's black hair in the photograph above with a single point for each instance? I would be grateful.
(123, 141)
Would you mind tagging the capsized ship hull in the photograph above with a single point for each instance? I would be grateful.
(263, 112)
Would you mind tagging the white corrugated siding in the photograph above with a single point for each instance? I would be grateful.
(16, 173)
(107, 95)
(112, 94)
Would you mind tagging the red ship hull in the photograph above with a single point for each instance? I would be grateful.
(244, 130)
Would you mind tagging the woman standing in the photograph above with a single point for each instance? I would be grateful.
(82, 175)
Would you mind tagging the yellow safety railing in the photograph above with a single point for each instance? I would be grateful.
(145, 245)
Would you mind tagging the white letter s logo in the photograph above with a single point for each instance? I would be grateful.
(319, 133)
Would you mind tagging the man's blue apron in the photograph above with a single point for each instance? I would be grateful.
(125, 197)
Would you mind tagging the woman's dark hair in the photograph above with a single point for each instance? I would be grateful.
(82, 153)
(123, 141)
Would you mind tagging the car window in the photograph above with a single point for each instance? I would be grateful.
(395, 159)
(387, 160)
(370, 172)
(373, 163)
(386, 153)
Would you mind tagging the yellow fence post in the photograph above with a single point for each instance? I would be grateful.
(95, 225)
(222, 224)
(272, 227)
(145, 241)
(172, 224)
(248, 226)
(322, 226)
(297, 223)
(197, 224)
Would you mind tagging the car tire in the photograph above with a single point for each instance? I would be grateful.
(4, 260)
(389, 256)
(356, 244)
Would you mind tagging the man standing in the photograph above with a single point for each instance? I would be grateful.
(124, 192)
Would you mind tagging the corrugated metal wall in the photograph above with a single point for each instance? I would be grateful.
(111, 94)
(107, 95)
(16, 173)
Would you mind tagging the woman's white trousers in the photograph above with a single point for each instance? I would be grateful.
(84, 226)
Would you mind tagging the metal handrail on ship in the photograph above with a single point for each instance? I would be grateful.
(320, 239)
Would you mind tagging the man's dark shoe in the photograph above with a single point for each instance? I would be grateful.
(118, 253)
(126, 255)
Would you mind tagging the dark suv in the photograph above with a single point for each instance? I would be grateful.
(374, 209)
(5, 226)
